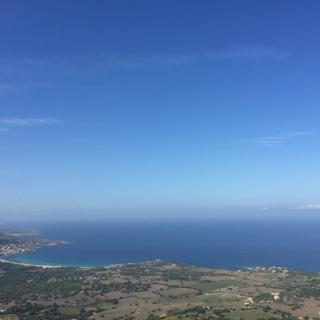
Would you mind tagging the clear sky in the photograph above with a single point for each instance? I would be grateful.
(162, 107)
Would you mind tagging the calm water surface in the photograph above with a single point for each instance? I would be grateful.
(232, 244)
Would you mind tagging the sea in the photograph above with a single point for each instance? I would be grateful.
(229, 243)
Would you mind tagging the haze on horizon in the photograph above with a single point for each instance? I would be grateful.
(161, 108)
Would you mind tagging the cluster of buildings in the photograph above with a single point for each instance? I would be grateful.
(14, 248)
(272, 269)
(23, 246)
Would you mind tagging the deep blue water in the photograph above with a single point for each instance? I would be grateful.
(232, 244)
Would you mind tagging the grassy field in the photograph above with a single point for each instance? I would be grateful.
(206, 287)
(9, 317)
(69, 312)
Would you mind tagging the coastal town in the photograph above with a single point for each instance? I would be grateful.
(18, 242)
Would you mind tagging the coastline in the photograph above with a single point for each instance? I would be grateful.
(53, 266)
(47, 266)
(44, 266)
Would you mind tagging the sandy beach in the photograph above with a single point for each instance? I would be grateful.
(29, 264)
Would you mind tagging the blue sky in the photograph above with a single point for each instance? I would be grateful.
(158, 107)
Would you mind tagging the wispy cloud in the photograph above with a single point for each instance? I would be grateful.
(178, 59)
(278, 140)
(249, 53)
(6, 123)
(158, 59)
(310, 206)
(28, 73)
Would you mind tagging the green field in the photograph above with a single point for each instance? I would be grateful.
(9, 317)
(207, 287)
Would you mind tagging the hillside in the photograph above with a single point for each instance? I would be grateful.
(157, 290)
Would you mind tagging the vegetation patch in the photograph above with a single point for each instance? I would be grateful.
(209, 286)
